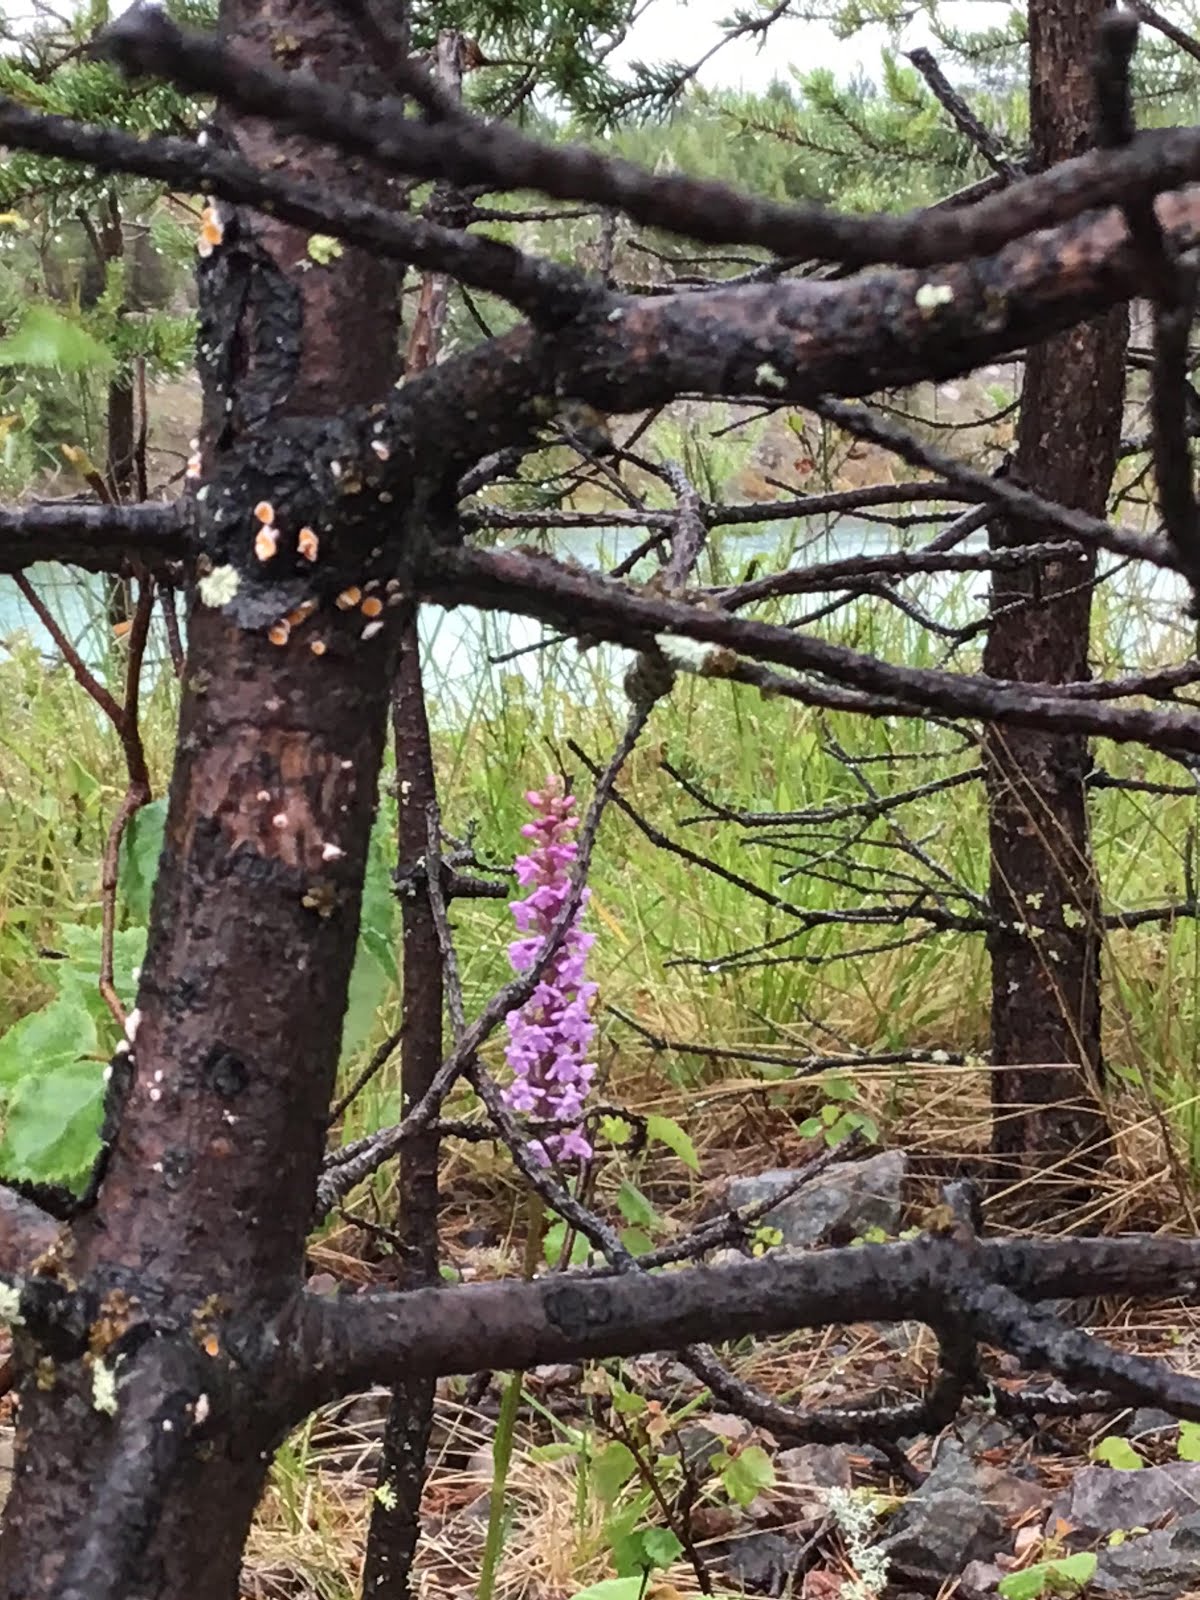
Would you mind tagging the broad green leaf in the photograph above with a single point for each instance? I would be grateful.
(661, 1546)
(1189, 1441)
(140, 850)
(627, 1401)
(47, 1040)
(370, 984)
(1066, 1576)
(560, 1450)
(637, 1241)
(747, 1474)
(377, 921)
(667, 1131)
(612, 1589)
(46, 339)
(554, 1239)
(52, 1124)
(1118, 1453)
(634, 1207)
(79, 975)
(612, 1468)
(615, 1130)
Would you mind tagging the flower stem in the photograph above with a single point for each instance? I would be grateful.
(506, 1423)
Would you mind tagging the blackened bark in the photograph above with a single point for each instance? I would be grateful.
(122, 438)
(201, 1222)
(1046, 963)
(395, 1516)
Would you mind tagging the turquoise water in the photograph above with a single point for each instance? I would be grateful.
(465, 649)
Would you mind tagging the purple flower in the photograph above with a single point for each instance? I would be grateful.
(549, 1037)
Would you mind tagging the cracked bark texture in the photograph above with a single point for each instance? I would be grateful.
(1048, 1128)
(206, 1206)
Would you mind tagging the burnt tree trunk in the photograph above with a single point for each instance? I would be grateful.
(201, 1222)
(1048, 1127)
(395, 1515)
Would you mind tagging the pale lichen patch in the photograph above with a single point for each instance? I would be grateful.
(104, 1388)
(932, 295)
(218, 587)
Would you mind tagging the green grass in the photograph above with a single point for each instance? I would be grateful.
(666, 926)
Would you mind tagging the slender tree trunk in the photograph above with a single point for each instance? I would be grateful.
(396, 1514)
(202, 1219)
(1046, 963)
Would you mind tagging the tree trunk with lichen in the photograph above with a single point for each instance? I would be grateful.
(1048, 1129)
(147, 1490)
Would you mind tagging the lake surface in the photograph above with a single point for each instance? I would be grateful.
(470, 654)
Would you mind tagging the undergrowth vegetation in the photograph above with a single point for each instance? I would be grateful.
(767, 954)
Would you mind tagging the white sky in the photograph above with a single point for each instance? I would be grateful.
(677, 30)
(682, 30)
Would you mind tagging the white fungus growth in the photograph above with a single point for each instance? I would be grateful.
(218, 587)
(371, 629)
(932, 295)
(332, 852)
(767, 376)
(104, 1389)
(132, 1023)
(10, 1305)
(690, 654)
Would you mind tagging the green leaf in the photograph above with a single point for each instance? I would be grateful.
(554, 1239)
(810, 1128)
(637, 1241)
(646, 1548)
(612, 1468)
(627, 1401)
(80, 974)
(839, 1089)
(369, 988)
(747, 1474)
(615, 1130)
(634, 1207)
(1189, 1441)
(667, 1131)
(52, 1124)
(140, 850)
(612, 1589)
(1118, 1453)
(46, 339)
(560, 1450)
(1066, 1576)
(47, 1040)
(661, 1547)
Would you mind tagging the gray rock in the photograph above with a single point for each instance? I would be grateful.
(981, 1432)
(979, 1580)
(759, 1563)
(946, 1523)
(1149, 1419)
(1158, 1566)
(815, 1466)
(1100, 1499)
(846, 1199)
